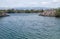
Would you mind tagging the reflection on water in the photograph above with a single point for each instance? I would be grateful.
(29, 26)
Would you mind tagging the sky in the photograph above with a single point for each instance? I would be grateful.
(30, 3)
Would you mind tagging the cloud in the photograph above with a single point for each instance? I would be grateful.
(56, 1)
(45, 3)
(29, 3)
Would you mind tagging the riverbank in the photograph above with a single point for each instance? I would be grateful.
(22, 11)
(47, 12)
(3, 14)
(51, 13)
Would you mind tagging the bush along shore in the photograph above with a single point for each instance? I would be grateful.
(22, 11)
(4, 12)
(48, 12)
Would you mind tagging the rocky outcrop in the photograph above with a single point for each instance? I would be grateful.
(3, 14)
(48, 13)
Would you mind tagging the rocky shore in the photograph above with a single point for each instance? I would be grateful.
(3, 14)
(51, 13)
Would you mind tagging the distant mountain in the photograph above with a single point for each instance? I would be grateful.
(24, 8)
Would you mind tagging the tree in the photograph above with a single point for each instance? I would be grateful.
(57, 12)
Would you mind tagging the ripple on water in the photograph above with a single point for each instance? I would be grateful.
(29, 26)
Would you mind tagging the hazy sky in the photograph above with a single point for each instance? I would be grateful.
(30, 3)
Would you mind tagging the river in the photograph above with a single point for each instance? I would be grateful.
(29, 26)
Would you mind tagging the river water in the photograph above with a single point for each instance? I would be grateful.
(29, 26)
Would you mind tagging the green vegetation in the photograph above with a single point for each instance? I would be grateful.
(57, 12)
(21, 11)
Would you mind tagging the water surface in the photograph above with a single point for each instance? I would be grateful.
(29, 26)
